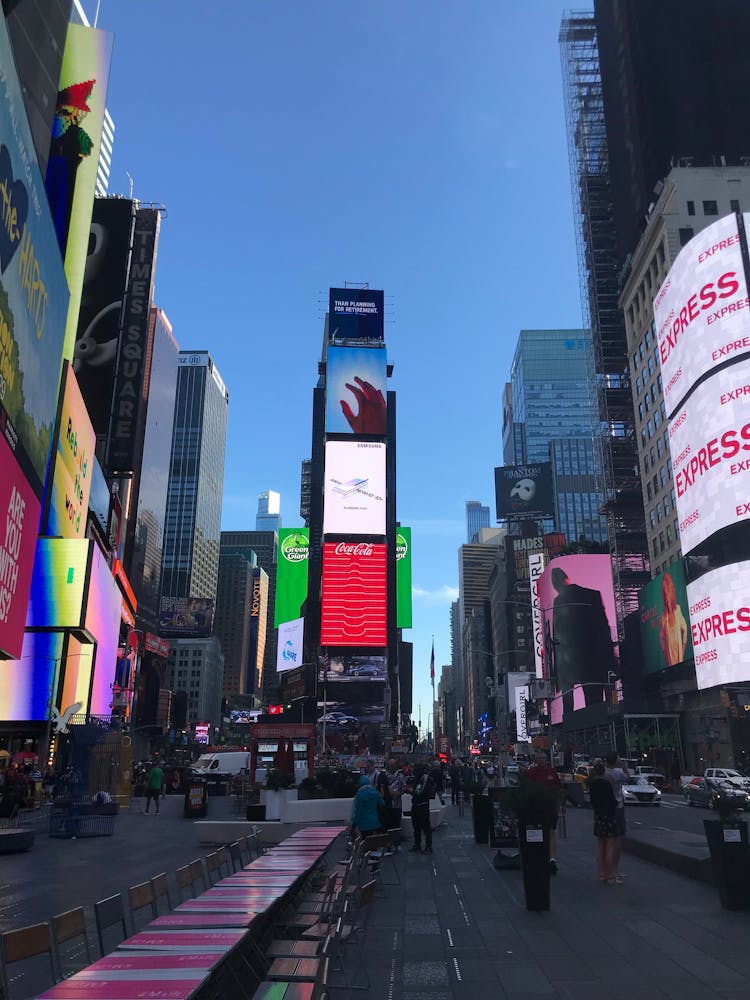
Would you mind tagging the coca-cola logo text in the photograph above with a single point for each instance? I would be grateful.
(348, 549)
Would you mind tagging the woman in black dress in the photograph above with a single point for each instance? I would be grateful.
(605, 823)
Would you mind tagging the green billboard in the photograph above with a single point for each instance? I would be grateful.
(403, 577)
(291, 574)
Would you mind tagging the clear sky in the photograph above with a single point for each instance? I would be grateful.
(299, 144)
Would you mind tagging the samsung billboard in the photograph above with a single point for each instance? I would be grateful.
(355, 314)
(524, 491)
(354, 492)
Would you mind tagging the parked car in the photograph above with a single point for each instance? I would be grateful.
(655, 778)
(640, 792)
(704, 792)
(727, 773)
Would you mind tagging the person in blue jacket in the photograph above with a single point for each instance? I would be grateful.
(365, 817)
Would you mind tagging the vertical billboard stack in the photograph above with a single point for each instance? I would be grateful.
(358, 540)
(702, 317)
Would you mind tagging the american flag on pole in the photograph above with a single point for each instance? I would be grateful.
(432, 663)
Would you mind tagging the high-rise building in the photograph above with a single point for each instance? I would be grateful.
(268, 517)
(232, 620)
(196, 666)
(553, 410)
(477, 516)
(190, 564)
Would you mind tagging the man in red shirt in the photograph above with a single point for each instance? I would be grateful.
(541, 772)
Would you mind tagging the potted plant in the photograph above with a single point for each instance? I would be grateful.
(481, 812)
(534, 807)
(730, 854)
(277, 786)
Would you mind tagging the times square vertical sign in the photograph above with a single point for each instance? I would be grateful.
(702, 317)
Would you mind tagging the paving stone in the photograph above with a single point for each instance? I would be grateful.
(421, 925)
(425, 974)
(524, 976)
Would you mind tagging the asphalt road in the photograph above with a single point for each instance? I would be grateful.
(672, 814)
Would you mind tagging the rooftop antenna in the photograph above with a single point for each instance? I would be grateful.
(130, 179)
(96, 15)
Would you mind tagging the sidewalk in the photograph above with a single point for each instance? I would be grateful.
(456, 928)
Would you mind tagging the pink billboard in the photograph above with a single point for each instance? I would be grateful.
(577, 600)
(19, 510)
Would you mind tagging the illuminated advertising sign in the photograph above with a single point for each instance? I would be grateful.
(710, 447)
(19, 523)
(289, 648)
(719, 625)
(522, 730)
(291, 573)
(73, 464)
(74, 154)
(353, 606)
(524, 491)
(403, 578)
(26, 683)
(580, 629)
(33, 290)
(701, 310)
(664, 619)
(102, 622)
(130, 368)
(58, 583)
(355, 314)
(201, 732)
(186, 616)
(356, 390)
(354, 492)
(348, 668)
(536, 568)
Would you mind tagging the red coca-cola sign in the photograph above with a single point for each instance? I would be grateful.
(354, 606)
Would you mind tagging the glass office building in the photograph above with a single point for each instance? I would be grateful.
(477, 516)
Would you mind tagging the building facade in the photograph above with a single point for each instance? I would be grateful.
(196, 666)
(232, 620)
(268, 517)
(477, 516)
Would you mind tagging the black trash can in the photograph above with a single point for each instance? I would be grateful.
(196, 799)
(481, 814)
(730, 861)
(533, 842)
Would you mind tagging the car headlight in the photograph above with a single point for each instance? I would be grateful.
(658, 794)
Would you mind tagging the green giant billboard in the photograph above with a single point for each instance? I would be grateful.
(291, 574)
(403, 577)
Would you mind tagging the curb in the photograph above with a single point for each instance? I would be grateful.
(698, 868)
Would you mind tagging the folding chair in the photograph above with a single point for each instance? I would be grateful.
(235, 853)
(301, 970)
(213, 865)
(139, 897)
(197, 874)
(184, 878)
(70, 926)
(160, 886)
(225, 861)
(21, 944)
(107, 913)
(356, 912)
(374, 848)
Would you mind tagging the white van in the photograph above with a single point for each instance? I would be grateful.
(222, 764)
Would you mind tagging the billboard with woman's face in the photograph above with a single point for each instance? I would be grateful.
(665, 621)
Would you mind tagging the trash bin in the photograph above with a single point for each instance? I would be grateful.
(196, 800)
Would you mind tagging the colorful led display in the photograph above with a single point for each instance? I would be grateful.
(356, 390)
(291, 574)
(353, 605)
(28, 684)
(719, 625)
(524, 491)
(102, 621)
(72, 469)
(58, 584)
(403, 578)
(74, 154)
(355, 314)
(665, 621)
(354, 491)
(186, 616)
(33, 291)
(76, 673)
(289, 647)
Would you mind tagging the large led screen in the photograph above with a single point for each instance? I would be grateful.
(577, 600)
(348, 668)
(710, 447)
(524, 490)
(291, 574)
(186, 616)
(403, 578)
(103, 615)
(719, 607)
(28, 684)
(355, 314)
(73, 466)
(356, 390)
(58, 584)
(701, 310)
(353, 605)
(664, 619)
(33, 290)
(354, 493)
(289, 649)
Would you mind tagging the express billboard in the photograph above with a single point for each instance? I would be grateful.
(291, 574)
(577, 600)
(701, 309)
(33, 290)
(354, 491)
(524, 490)
(186, 616)
(664, 620)
(403, 578)
(73, 463)
(356, 390)
(353, 604)
(720, 623)
(355, 314)
(74, 154)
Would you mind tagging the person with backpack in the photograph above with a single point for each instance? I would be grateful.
(422, 792)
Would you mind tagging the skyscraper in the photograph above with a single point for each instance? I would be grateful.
(268, 517)
(232, 620)
(190, 564)
(477, 516)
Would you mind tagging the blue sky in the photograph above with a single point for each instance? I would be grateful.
(297, 145)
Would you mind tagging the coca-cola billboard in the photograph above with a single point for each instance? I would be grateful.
(353, 605)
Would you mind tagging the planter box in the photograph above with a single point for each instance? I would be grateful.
(533, 842)
(730, 861)
(481, 814)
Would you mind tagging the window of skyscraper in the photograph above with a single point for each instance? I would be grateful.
(710, 207)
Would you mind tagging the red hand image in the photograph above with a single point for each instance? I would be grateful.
(371, 416)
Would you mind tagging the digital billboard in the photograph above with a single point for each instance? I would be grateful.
(403, 578)
(102, 621)
(27, 684)
(664, 619)
(291, 573)
(701, 310)
(348, 668)
(290, 644)
(524, 490)
(354, 491)
(536, 564)
(74, 154)
(19, 524)
(720, 623)
(33, 290)
(355, 314)
(577, 600)
(72, 468)
(356, 390)
(186, 616)
(58, 583)
(353, 605)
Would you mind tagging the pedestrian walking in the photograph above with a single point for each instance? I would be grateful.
(366, 808)
(422, 793)
(604, 804)
(541, 773)
(617, 776)
(154, 786)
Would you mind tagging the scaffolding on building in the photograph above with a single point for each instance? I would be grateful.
(600, 269)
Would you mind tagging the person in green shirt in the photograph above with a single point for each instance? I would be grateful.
(154, 785)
